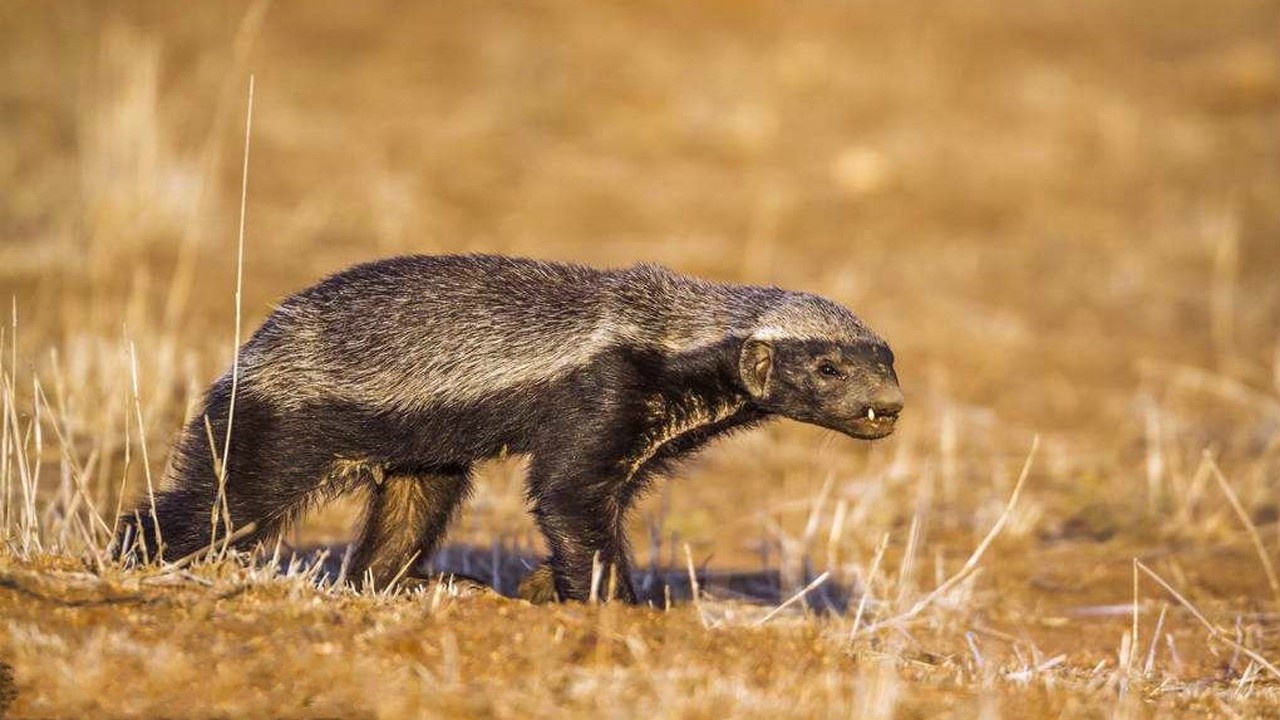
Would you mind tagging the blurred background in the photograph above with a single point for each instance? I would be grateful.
(1065, 217)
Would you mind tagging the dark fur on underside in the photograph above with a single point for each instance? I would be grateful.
(399, 375)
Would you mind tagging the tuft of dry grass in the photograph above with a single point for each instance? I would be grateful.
(1062, 217)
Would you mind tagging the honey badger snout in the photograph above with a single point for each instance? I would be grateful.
(873, 415)
(885, 402)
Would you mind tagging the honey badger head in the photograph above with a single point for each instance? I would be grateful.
(812, 360)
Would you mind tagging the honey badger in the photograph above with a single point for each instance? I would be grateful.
(399, 375)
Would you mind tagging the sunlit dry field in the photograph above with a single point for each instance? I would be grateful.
(1065, 218)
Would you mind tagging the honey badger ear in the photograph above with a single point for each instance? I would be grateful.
(755, 365)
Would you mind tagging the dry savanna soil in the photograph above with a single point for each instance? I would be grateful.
(1064, 216)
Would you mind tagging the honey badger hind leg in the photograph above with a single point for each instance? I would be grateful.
(405, 519)
(274, 472)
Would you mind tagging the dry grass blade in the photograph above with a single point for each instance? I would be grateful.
(1215, 632)
(404, 569)
(235, 350)
(693, 586)
(142, 442)
(77, 469)
(597, 573)
(1150, 663)
(1252, 529)
(1133, 631)
(971, 564)
(866, 585)
(794, 598)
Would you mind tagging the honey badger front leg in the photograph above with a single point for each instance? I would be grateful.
(583, 490)
(576, 504)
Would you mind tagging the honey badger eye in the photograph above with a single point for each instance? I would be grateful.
(829, 370)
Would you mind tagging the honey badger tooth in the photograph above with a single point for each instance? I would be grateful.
(871, 413)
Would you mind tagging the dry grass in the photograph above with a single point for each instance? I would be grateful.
(1063, 216)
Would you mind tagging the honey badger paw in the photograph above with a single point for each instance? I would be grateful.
(538, 587)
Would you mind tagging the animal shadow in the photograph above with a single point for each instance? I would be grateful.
(501, 567)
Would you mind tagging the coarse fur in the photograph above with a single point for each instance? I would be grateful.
(398, 375)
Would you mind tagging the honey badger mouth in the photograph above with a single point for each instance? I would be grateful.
(869, 424)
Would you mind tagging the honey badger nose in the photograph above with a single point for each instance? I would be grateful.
(887, 400)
